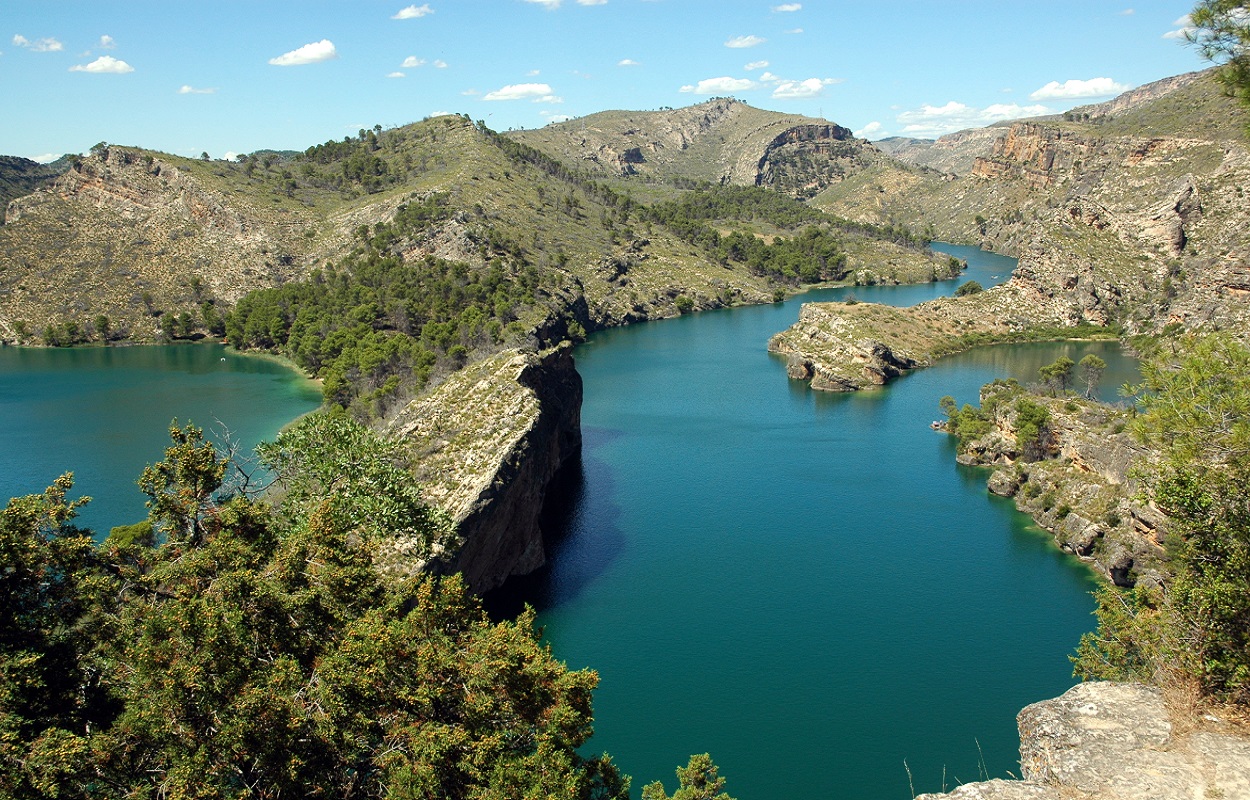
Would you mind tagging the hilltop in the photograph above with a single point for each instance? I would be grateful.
(723, 141)
(134, 234)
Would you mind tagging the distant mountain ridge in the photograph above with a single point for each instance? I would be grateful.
(720, 141)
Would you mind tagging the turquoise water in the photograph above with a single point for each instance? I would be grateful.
(804, 584)
(104, 414)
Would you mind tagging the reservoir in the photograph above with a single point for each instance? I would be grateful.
(806, 585)
(103, 413)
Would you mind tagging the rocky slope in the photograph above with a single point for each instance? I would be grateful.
(1081, 485)
(21, 176)
(953, 153)
(1144, 231)
(720, 141)
(488, 442)
(1108, 741)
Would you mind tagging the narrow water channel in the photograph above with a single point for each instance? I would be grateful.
(805, 585)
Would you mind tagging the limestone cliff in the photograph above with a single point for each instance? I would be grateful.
(488, 442)
(1109, 741)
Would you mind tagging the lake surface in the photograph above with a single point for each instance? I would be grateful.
(104, 413)
(804, 584)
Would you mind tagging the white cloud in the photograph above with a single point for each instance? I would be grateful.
(470, 93)
(106, 42)
(721, 86)
(795, 30)
(745, 41)
(549, 98)
(1077, 89)
(229, 155)
(534, 73)
(186, 89)
(755, 65)
(412, 62)
(768, 77)
(46, 158)
(308, 54)
(396, 75)
(1181, 28)
(1128, 12)
(104, 64)
(627, 62)
(558, 118)
(931, 121)
(548, 4)
(520, 91)
(796, 90)
(871, 129)
(413, 12)
(46, 45)
(787, 7)
(439, 63)
(592, 2)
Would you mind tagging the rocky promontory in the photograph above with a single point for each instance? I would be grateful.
(487, 443)
(1112, 741)
(1078, 479)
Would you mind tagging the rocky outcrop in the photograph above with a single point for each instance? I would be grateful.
(830, 347)
(1079, 484)
(1110, 741)
(487, 443)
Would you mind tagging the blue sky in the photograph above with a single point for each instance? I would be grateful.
(230, 77)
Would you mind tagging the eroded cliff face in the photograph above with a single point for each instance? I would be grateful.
(1113, 741)
(488, 442)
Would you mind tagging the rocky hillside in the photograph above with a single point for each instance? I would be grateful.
(134, 235)
(953, 153)
(721, 141)
(21, 176)
(1137, 217)
(131, 233)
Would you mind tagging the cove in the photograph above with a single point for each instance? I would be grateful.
(104, 413)
(805, 585)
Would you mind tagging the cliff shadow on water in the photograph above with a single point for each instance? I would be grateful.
(582, 535)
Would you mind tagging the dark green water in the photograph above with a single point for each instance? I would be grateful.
(806, 585)
(104, 413)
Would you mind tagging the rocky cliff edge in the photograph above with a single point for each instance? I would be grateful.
(1112, 741)
(487, 442)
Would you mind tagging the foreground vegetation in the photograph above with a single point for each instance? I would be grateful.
(1195, 629)
(232, 646)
